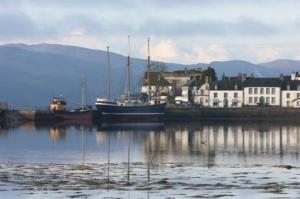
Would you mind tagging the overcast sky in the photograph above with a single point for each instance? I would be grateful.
(184, 31)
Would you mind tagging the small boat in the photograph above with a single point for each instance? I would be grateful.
(82, 115)
(129, 108)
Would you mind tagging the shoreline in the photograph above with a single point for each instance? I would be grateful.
(174, 114)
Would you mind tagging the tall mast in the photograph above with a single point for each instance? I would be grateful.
(108, 75)
(83, 84)
(128, 68)
(148, 66)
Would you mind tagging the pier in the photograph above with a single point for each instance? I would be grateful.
(173, 113)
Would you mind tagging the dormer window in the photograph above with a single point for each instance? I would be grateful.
(288, 87)
(216, 87)
(235, 87)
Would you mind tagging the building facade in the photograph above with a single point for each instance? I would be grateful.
(291, 94)
(226, 94)
(262, 91)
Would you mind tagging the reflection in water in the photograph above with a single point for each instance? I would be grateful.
(165, 143)
(226, 158)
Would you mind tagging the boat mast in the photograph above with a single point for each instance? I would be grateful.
(82, 92)
(148, 66)
(128, 68)
(108, 75)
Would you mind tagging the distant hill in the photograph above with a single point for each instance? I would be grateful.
(283, 65)
(30, 73)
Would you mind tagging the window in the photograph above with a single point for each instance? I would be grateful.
(273, 100)
(201, 92)
(268, 100)
(250, 90)
(255, 90)
(225, 95)
(298, 103)
(215, 95)
(250, 100)
(206, 87)
(216, 104)
(267, 90)
(201, 101)
(288, 96)
(273, 91)
(261, 90)
(216, 87)
(235, 95)
(234, 104)
(288, 103)
(255, 100)
(298, 95)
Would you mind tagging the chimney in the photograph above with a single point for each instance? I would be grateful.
(244, 77)
(206, 80)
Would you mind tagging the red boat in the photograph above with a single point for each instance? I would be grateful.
(81, 115)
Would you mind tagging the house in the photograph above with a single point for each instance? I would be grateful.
(263, 91)
(291, 93)
(158, 84)
(226, 93)
(201, 94)
(181, 77)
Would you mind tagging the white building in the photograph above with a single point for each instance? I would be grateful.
(158, 85)
(291, 94)
(226, 93)
(262, 91)
(201, 94)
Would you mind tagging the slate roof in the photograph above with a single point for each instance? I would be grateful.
(226, 85)
(156, 78)
(263, 82)
(292, 84)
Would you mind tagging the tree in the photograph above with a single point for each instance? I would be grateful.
(210, 73)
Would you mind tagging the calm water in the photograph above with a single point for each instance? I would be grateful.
(173, 160)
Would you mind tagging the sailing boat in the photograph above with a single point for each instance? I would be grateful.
(131, 109)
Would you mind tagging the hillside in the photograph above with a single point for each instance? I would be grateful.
(31, 73)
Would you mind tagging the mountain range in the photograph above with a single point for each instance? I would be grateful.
(32, 74)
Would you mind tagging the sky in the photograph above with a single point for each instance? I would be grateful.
(181, 31)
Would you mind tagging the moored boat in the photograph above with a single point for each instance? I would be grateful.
(129, 108)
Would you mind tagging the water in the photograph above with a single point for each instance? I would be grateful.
(172, 160)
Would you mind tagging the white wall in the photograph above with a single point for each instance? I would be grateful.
(219, 99)
(201, 95)
(162, 89)
(272, 98)
(290, 98)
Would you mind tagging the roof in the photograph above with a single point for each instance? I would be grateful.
(227, 85)
(293, 85)
(263, 82)
(156, 78)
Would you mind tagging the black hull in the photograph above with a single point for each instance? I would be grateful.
(145, 113)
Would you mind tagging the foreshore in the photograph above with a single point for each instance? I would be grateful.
(176, 113)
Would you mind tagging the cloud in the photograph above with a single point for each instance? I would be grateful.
(267, 54)
(211, 53)
(16, 24)
(241, 26)
(164, 50)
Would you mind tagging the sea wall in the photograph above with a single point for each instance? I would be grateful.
(244, 113)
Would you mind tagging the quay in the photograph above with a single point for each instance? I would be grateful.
(174, 113)
(233, 114)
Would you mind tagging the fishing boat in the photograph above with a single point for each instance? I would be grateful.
(128, 107)
(81, 115)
